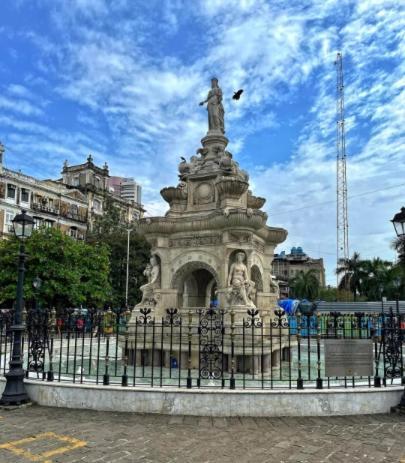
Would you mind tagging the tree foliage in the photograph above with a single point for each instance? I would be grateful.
(111, 230)
(72, 272)
(305, 285)
(372, 279)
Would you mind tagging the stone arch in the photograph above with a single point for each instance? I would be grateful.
(196, 283)
(188, 268)
(256, 276)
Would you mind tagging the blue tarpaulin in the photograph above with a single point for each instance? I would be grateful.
(289, 305)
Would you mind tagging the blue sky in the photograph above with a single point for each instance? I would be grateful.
(122, 80)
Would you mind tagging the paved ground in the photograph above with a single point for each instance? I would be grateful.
(49, 435)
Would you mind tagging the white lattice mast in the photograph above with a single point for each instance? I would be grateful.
(342, 225)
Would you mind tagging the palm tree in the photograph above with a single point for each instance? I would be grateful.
(378, 278)
(353, 274)
(305, 285)
(399, 245)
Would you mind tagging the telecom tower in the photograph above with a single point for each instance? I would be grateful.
(342, 225)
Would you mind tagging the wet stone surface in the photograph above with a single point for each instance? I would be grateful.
(50, 435)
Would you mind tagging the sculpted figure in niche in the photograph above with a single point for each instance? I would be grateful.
(241, 288)
(274, 287)
(152, 273)
(214, 107)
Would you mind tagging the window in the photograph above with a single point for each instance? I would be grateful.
(25, 195)
(74, 209)
(97, 205)
(9, 217)
(76, 181)
(37, 222)
(48, 223)
(73, 232)
(11, 191)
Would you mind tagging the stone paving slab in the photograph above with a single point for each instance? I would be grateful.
(51, 435)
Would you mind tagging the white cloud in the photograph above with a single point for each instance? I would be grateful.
(281, 53)
(19, 106)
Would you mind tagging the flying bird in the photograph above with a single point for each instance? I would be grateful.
(236, 95)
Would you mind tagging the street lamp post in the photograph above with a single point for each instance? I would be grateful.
(127, 276)
(399, 225)
(14, 392)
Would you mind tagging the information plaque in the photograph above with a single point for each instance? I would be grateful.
(348, 357)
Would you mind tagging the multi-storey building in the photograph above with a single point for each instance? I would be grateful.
(49, 203)
(71, 203)
(288, 266)
(93, 182)
(126, 187)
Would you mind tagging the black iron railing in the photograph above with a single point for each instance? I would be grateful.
(209, 348)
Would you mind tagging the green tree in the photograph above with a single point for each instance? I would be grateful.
(305, 285)
(72, 272)
(353, 271)
(378, 278)
(110, 229)
(399, 245)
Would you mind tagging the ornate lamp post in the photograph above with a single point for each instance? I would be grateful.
(399, 225)
(14, 392)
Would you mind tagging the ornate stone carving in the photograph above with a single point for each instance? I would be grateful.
(204, 193)
(240, 237)
(231, 187)
(246, 238)
(173, 194)
(184, 168)
(255, 202)
(258, 246)
(152, 273)
(226, 163)
(274, 287)
(241, 290)
(191, 241)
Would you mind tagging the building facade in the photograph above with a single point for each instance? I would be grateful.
(93, 182)
(71, 203)
(288, 266)
(50, 204)
(126, 187)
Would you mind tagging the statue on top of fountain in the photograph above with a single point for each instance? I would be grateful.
(215, 108)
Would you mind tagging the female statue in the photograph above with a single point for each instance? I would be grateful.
(214, 107)
(152, 273)
(241, 288)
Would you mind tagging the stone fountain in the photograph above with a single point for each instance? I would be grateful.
(213, 245)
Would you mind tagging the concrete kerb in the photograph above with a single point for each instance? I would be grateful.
(221, 403)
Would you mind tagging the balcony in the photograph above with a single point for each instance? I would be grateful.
(44, 208)
(52, 210)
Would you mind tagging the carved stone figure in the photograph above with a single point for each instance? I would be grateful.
(184, 167)
(214, 107)
(241, 288)
(152, 273)
(274, 287)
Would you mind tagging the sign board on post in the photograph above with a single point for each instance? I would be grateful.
(348, 357)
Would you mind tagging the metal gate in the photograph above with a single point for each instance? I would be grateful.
(211, 341)
(392, 334)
